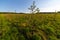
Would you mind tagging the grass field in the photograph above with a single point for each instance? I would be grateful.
(30, 26)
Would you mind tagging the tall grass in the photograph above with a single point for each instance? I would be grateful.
(30, 26)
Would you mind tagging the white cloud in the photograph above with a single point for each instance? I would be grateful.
(52, 5)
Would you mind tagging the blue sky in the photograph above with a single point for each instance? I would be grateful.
(23, 5)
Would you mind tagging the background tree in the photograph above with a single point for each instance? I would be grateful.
(37, 10)
(32, 7)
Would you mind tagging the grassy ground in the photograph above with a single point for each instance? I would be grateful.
(30, 26)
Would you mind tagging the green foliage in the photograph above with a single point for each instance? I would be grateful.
(29, 27)
(21, 37)
(52, 37)
(36, 37)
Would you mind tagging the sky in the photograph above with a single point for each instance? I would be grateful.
(23, 5)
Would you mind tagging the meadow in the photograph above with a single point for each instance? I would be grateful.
(30, 26)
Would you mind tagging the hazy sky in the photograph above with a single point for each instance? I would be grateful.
(23, 5)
